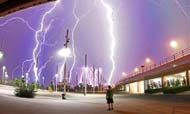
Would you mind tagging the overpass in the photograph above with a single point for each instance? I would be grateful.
(166, 73)
(11, 6)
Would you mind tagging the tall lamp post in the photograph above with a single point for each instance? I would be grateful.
(6, 78)
(3, 75)
(56, 76)
(65, 52)
(43, 79)
(26, 80)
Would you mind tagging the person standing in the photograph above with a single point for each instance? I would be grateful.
(109, 98)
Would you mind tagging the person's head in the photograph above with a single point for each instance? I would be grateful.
(109, 87)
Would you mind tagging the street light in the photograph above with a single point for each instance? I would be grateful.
(174, 44)
(6, 77)
(4, 68)
(136, 70)
(64, 52)
(124, 74)
(1, 54)
(148, 60)
(85, 80)
(43, 78)
(26, 80)
(56, 76)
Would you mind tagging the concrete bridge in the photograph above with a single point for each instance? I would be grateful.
(175, 67)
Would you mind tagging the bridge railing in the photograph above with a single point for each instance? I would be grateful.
(163, 62)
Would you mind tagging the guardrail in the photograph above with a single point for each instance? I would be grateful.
(163, 62)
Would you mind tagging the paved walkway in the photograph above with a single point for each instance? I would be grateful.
(51, 103)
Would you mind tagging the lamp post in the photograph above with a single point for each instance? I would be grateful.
(65, 52)
(3, 75)
(1, 54)
(43, 79)
(6, 78)
(85, 80)
(26, 79)
(56, 76)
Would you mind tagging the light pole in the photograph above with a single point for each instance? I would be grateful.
(26, 80)
(94, 85)
(1, 54)
(43, 79)
(56, 76)
(65, 52)
(6, 78)
(86, 71)
(85, 80)
(3, 75)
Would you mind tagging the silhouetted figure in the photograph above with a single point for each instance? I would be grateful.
(109, 98)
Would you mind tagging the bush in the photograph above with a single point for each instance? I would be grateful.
(169, 90)
(151, 91)
(175, 90)
(24, 91)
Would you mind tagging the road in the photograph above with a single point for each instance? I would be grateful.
(51, 103)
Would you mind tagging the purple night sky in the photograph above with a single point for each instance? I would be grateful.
(142, 28)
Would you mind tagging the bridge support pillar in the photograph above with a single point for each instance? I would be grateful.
(138, 87)
(187, 77)
(145, 85)
(163, 79)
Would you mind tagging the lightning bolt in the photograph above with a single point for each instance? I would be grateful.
(18, 19)
(29, 27)
(81, 76)
(183, 10)
(15, 70)
(23, 63)
(78, 20)
(44, 65)
(113, 43)
(37, 48)
(62, 71)
(73, 41)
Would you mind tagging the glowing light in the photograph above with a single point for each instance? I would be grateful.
(65, 52)
(174, 44)
(1, 54)
(124, 74)
(6, 75)
(136, 70)
(4, 67)
(113, 43)
(148, 60)
(36, 49)
(22, 76)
